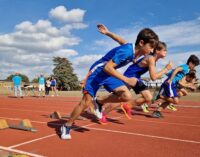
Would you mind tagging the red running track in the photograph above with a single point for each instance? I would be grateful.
(177, 135)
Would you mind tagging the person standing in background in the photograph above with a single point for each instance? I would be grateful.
(53, 86)
(17, 84)
(41, 82)
(48, 86)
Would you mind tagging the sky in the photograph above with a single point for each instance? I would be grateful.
(32, 32)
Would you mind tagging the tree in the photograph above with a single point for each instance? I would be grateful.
(24, 78)
(35, 80)
(63, 72)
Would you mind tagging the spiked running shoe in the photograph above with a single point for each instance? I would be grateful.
(145, 108)
(157, 114)
(65, 132)
(172, 107)
(103, 120)
(127, 110)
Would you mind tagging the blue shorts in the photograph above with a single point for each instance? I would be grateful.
(97, 79)
(111, 83)
(168, 90)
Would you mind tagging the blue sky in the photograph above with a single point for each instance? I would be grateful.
(32, 32)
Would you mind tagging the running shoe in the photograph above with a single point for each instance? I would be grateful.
(97, 108)
(65, 132)
(127, 110)
(157, 114)
(145, 108)
(103, 120)
(172, 107)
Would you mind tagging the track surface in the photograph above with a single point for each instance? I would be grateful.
(176, 135)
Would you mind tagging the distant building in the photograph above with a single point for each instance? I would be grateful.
(152, 84)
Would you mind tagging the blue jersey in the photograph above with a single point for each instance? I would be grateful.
(53, 82)
(121, 55)
(135, 70)
(17, 80)
(180, 74)
(41, 80)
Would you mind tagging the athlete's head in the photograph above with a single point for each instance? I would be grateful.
(191, 75)
(146, 41)
(192, 62)
(160, 50)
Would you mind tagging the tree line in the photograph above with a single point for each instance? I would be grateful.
(63, 72)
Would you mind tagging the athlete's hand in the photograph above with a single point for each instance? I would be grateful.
(169, 65)
(193, 88)
(102, 29)
(169, 81)
(131, 81)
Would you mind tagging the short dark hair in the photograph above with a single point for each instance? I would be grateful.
(191, 74)
(193, 59)
(161, 45)
(148, 36)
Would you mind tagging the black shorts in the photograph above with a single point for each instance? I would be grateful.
(139, 87)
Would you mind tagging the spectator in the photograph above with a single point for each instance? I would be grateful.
(41, 82)
(17, 84)
(48, 86)
(53, 86)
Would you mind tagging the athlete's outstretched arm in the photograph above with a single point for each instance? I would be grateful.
(178, 69)
(102, 29)
(152, 69)
(186, 84)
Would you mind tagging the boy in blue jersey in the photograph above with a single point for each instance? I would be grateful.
(188, 82)
(168, 91)
(17, 84)
(136, 70)
(104, 68)
(41, 82)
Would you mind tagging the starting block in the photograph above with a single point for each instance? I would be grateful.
(57, 115)
(25, 125)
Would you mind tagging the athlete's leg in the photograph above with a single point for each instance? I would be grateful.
(121, 94)
(85, 102)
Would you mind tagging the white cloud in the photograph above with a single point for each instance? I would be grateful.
(83, 63)
(31, 46)
(61, 13)
(185, 33)
(65, 53)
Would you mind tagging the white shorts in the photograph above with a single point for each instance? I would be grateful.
(41, 88)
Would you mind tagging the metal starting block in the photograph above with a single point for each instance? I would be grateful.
(57, 115)
(24, 125)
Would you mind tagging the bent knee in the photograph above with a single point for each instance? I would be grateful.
(148, 98)
(126, 96)
(176, 101)
(86, 102)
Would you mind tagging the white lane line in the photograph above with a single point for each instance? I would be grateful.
(19, 151)
(189, 106)
(134, 112)
(31, 141)
(29, 110)
(41, 138)
(24, 110)
(144, 135)
(169, 123)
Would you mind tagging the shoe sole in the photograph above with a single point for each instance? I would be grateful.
(127, 116)
(102, 123)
